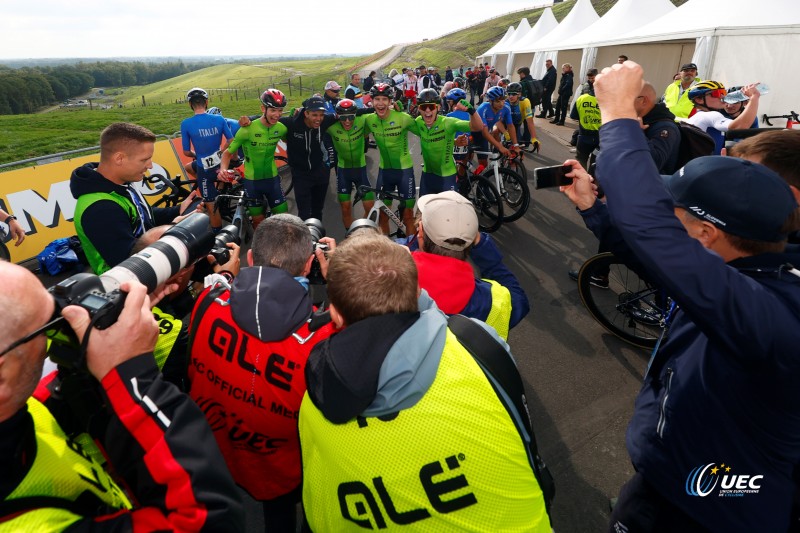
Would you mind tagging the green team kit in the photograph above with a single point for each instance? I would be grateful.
(437, 143)
(259, 143)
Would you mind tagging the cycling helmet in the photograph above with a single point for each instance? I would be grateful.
(456, 94)
(428, 96)
(214, 111)
(195, 93)
(382, 89)
(495, 93)
(273, 98)
(346, 106)
(459, 82)
(704, 87)
(514, 88)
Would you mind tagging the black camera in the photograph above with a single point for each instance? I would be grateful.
(220, 250)
(181, 245)
(317, 231)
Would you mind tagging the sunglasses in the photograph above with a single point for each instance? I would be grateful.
(718, 93)
(52, 324)
(427, 107)
(347, 118)
(513, 94)
(334, 90)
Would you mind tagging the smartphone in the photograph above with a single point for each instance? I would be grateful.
(548, 177)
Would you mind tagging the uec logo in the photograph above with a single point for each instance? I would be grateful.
(702, 481)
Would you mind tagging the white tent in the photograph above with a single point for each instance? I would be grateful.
(547, 22)
(623, 16)
(580, 17)
(736, 43)
(500, 56)
(488, 53)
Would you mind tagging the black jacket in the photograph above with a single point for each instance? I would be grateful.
(663, 138)
(304, 145)
(549, 80)
(565, 87)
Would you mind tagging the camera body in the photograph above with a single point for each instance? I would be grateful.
(317, 231)
(220, 250)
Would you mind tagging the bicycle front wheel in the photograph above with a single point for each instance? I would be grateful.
(227, 206)
(514, 191)
(284, 173)
(517, 166)
(488, 205)
(622, 302)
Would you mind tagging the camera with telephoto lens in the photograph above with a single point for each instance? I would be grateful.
(220, 250)
(317, 231)
(181, 245)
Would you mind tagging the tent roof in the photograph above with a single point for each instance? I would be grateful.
(493, 49)
(523, 29)
(581, 16)
(547, 22)
(620, 19)
(698, 18)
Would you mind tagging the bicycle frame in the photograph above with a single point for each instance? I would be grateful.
(380, 207)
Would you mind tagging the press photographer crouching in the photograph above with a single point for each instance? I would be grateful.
(249, 345)
(53, 475)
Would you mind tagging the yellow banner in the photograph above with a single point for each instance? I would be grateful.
(41, 200)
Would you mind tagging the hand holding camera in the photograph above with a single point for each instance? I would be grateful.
(134, 333)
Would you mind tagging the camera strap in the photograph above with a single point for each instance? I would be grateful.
(200, 309)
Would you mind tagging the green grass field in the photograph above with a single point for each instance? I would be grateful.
(235, 88)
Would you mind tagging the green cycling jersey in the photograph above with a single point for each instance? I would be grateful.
(259, 143)
(437, 143)
(391, 136)
(349, 144)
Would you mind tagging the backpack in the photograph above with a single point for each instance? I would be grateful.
(694, 143)
(535, 91)
(502, 373)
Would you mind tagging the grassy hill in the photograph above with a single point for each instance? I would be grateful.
(235, 88)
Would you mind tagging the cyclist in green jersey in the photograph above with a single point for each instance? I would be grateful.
(351, 169)
(437, 136)
(259, 140)
(390, 129)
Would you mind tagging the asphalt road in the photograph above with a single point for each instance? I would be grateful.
(580, 380)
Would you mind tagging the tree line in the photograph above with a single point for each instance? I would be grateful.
(27, 89)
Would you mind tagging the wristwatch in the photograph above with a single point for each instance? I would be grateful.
(10, 217)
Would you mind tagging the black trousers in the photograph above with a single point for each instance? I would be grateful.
(640, 508)
(562, 106)
(310, 188)
(547, 103)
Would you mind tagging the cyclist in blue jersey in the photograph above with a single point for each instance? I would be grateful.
(201, 137)
(497, 120)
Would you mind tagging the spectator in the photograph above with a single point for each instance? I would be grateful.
(622, 58)
(14, 229)
(110, 213)
(491, 81)
(732, 344)
(482, 76)
(258, 393)
(353, 91)
(159, 467)
(564, 94)
(707, 99)
(424, 80)
(531, 89)
(448, 74)
(587, 113)
(549, 84)
(676, 95)
(447, 232)
(369, 81)
(331, 97)
(395, 390)
(735, 109)
(436, 78)
(663, 134)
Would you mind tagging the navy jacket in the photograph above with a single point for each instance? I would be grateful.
(724, 389)
(664, 138)
(549, 80)
(565, 87)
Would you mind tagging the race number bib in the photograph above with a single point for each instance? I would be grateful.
(211, 161)
(457, 150)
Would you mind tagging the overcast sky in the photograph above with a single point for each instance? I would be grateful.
(111, 28)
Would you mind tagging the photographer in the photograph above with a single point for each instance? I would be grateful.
(156, 439)
(249, 346)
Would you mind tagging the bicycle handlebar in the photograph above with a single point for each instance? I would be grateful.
(476, 149)
(241, 198)
(792, 115)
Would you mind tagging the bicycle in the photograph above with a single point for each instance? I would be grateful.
(512, 187)
(630, 307)
(240, 217)
(515, 163)
(380, 207)
(483, 195)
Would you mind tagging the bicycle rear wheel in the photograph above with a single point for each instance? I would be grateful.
(514, 191)
(629, 308)
(284, 173)
(488, 205)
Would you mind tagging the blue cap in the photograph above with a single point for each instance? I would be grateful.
(737, 196)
